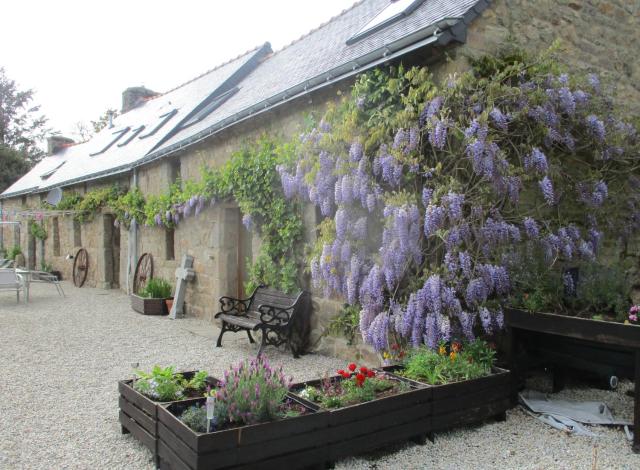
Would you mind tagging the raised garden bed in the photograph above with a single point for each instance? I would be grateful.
(362, 427)
(295, 442)
(139, 413)
(600, 347)
(466, 402)
(149, 306)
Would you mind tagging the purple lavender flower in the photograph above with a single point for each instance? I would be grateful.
(547, 190)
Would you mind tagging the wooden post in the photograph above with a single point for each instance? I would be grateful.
(636, 406)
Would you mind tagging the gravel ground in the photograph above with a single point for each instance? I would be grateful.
(62, 359)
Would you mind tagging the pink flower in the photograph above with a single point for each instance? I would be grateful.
(633, 317)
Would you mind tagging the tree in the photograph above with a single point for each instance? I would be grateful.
(12, 166)
(21, 125)
(103, 120)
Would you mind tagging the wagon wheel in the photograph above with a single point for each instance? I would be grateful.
(144, 272)
(80, 267)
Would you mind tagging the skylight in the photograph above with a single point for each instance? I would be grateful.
(395, 10)
(209, 107)
(47, 174)
(165, 118)
(118, 135)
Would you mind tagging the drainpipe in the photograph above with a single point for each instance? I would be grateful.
(132, 246)
(2, 225)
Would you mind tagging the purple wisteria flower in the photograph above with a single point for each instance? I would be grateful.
(430, 110)
(499, 119)
(596, 127)
(531, 228)
(438, 134)
(546, 186)
(536, 161)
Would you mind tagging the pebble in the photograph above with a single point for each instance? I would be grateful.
(62, 359)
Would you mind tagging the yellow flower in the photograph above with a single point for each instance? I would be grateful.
(442, 350)
(453, 355)
(386, 355)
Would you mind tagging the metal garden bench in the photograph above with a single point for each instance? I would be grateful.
(276, 314)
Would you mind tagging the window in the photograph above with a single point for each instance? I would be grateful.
(395, 10)
(118, 135)
(165, 118)
(47, 174)
(23, 201)
(175, 170)
(133, 135)
(170, 253)
(56, 236)
(208, 107)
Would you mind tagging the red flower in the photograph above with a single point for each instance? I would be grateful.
(341, 372)
(395, 346)
(364, 370)
(352, 367)
(360, 380)
(371, 373)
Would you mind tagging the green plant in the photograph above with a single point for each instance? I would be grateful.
(600, 290)
(196, 418)
(449, 364)
(157, 288)
(46, 267)
(14, 251)
(346, 323)
(37, 230)
(163, 384)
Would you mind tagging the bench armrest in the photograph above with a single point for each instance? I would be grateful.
(275, 316)
(233, 306)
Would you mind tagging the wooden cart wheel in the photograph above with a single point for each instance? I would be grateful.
(144, 272)
(80, 267)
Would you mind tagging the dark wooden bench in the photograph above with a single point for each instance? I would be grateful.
(276, 314)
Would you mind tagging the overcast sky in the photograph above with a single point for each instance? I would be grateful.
(78, 56)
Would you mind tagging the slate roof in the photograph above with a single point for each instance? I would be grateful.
(314, 60)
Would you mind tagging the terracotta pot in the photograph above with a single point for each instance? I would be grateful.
(169, 303)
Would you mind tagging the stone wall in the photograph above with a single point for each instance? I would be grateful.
(598, 36)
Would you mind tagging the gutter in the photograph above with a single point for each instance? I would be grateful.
(443, 32)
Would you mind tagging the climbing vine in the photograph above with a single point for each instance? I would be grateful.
(437, 196)
(250, 178)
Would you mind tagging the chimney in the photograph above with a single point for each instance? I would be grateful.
(57, 142)
(132, 97)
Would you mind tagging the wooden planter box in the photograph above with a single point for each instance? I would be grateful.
(469, 401)
(139, 414)
(601, 347)
(148, 306)
(286, 444)
(367, 426)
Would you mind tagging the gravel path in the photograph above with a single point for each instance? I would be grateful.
(62, 358)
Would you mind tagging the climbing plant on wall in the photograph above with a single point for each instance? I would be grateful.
(248, 177)
(434, 195)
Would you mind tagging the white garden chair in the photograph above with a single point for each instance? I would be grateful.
(43, 276)
(10, 280)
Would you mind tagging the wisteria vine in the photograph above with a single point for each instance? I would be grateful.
(432, 197)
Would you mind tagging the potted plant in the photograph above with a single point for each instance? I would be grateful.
(140, 398)
(254, 420)
(152, 299)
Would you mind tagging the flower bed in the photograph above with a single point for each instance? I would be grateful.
(362, 415)
(255, 422)
(286, 443)
(139, 412)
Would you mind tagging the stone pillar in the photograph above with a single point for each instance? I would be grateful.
(31, 251)
(225, 240)
(104, 273)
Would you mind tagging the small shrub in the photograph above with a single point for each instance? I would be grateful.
(196, 418)
(14, 251)
(157, 288)
(163, 384)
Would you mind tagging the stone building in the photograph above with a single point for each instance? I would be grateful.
(160, 137)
